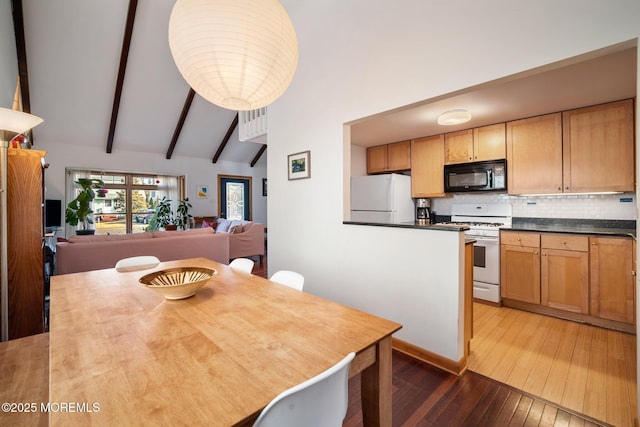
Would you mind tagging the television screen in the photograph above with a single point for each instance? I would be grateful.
(52, 213)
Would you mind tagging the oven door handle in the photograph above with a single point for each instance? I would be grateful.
(486, 240)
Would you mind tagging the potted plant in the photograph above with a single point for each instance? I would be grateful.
(79, 210)
(162, 217)
(183, 217)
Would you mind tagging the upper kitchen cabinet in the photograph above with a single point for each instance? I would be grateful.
(534, 155)
(389, 157)
(427, 163)
(598, 148)
(475, 145)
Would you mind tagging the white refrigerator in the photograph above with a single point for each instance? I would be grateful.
(382, 199)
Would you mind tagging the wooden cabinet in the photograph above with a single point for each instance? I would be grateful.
(564, 272)
(458, 147)
(598, 146)
(591, 276)
(475, 145)
(612, 278)
(24, 238)
(377, 159)
(427, 163)
(520, 266)
(584, 150)
(389, 157)
(468, 297)
(534, 155)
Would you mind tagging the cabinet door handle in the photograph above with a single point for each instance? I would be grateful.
(544, 254)
(535, 252)
(564, 243)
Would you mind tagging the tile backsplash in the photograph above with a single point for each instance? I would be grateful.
(579, 206)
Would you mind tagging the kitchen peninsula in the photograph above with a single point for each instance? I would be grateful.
(441, 282)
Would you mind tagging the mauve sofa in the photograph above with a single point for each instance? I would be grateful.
(85, 253)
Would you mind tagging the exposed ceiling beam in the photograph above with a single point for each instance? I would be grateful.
(257, 157)
(181, 120)
(21, 51)
(124, 54)
(223, 144)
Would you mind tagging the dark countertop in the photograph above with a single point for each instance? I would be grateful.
(574, 226)
(441, 227)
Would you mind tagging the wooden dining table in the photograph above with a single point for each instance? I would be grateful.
(122, 354)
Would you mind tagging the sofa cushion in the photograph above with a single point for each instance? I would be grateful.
(109, 237)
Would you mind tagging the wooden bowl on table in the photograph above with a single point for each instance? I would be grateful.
(178, 283)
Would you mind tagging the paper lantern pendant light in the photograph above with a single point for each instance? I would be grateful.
(238, 54)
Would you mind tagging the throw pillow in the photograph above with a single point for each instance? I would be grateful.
(223, 225)
(206, 223)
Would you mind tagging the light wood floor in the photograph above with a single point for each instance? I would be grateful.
(585, 368)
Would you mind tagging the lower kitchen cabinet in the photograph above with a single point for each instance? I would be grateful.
(592, 277)
(564, 268)
(612, 278)
(520, 266)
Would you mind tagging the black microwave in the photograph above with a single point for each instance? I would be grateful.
(490, 175)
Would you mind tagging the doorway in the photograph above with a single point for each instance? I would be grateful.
(234, 201)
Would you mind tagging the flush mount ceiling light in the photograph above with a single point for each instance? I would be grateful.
(454, 117)
(238, 54)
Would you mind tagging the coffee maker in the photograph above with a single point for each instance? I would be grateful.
(423, 212)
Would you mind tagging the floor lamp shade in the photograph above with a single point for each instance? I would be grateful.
(17, 121)
(238, 54)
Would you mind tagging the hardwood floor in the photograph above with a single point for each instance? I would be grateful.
(584, 368)
(427, 396)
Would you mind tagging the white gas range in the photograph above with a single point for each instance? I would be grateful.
(484, 221)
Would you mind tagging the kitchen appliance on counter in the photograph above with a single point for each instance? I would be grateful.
(382, 198)
(484, 221)
(423, 211)
(489, 175)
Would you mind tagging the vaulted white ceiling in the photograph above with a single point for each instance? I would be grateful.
(73, 57)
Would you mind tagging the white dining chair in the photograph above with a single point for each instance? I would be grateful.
(317, 402)
(137, 263)
(242, 264)
(288, 278)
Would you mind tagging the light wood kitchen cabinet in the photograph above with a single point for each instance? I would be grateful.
(475, 145)
(534, 155)
(377, 159)
(389, 157)
(564, 272)
(612, 278)
(520, 266)
(458, 147)
(608, 162)
(427, 163)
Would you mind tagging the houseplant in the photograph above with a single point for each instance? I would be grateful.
(183, 217)
(79, 210)
(162, 217)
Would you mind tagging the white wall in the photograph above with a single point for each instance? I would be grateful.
(198, 172)
(361, 57)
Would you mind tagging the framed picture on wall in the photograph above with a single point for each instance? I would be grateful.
(299, 165)
(203, 192)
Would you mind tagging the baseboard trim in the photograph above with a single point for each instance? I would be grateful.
(451, 366)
